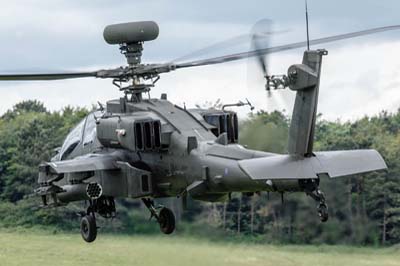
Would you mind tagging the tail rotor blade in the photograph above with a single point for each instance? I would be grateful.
(261, 33)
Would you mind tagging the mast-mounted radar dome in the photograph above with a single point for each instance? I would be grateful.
(132, 32)
(130, 36)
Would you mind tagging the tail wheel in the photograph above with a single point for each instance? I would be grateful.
(88, 228)
(323, 212)
(166, 219)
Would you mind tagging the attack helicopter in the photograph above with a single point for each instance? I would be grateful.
(148, 148)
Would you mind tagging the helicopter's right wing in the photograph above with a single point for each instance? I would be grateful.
(86, 163)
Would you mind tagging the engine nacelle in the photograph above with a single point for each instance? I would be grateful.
(224, 122)
(132, 133)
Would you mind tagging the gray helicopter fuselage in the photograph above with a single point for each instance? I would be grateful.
(189, 159)
(152, 148)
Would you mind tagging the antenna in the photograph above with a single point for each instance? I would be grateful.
(308, 36)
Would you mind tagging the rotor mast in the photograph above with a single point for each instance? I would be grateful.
(132, 52)
(133, 55)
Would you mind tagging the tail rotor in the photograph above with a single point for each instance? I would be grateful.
(261, 33)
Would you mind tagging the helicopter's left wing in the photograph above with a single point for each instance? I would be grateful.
(86, 163)
(331, 163)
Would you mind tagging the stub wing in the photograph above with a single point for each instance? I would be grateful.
(331, 163)
(91, 162)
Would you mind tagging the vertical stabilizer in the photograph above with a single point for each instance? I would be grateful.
(306, 83)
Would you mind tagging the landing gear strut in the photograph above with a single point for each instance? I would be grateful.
(165, 217)
(105, 207)
(311, 187)
(322, 207)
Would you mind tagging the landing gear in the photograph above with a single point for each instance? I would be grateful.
(323, 212)
(105, 207)
(311, 188)
(88, 228)
(322, 207)
(165, 217)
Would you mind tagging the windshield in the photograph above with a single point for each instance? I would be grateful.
(90, 128)
(72, 140)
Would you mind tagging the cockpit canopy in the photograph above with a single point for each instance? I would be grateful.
(82, 134)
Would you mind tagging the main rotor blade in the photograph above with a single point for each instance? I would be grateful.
(239, 40)
(239, 56)
(47, 76)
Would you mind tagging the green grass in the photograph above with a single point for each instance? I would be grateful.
(38, 248)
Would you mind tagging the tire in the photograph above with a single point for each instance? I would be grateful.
(323, 212)
(166, 221)
(88, 228)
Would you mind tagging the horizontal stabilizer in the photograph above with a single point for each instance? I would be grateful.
(342, 163)
(331, 163)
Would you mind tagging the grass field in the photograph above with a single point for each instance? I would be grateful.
(67, 249)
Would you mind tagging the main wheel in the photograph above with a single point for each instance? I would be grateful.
(323, 212)
(88, 228)
(166, 221)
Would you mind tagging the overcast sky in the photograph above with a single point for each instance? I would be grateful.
(360, 76)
